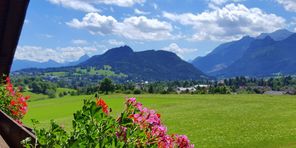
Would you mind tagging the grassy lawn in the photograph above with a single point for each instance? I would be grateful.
(210, 121)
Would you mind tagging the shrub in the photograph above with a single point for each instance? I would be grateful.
(51, 93)
(92, 126)
(128, 92)
(137, 91)
(12, 102)
(61, 94)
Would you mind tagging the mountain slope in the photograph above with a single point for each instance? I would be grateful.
(80, 60)
(25, 64)
(277, 35)
(223, 56)
(265, 57)
(146, 65)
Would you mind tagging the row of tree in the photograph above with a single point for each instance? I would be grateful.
(107, 85)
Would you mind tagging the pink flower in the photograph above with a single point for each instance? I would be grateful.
(166, 142)
(159, 131)
(139, 106)
(183, 142)
(121, 134)
(22, 99)
(131, 100)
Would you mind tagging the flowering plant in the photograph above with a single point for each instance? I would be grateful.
(150, 123)
(92, 126)
(12, 102)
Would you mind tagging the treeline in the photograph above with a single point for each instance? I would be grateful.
(261, 85)
(37, 85)
(107, 85)
(242, 85)
(162, 87)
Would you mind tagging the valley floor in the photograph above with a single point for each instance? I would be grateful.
(210, 121)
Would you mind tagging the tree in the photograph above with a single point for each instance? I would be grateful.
(137, 91)
(151, 89)
(61, 94)
(106, 86)
(51, 93)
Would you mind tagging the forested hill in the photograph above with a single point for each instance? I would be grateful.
(146, 65)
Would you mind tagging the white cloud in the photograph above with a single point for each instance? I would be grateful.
(90, 5)
(139, 12)
(48, 36)
(95, 24)
(79, 42)
(143, 28)
(136, 28)
(81, 5)
(115, 42)
(228, 23)
(292, 24)
(26, 21)
(122, 3)
(289, 5)
(221, 2)
(173, 47)
(155, 6)
(215, 4)
(61, 55)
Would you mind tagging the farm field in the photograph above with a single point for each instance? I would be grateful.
(210, 121)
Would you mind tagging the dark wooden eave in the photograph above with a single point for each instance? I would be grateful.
(12, 16)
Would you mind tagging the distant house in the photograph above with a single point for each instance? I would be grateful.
(202, 86)
(274, 92)
(185, 89)
(190, 89)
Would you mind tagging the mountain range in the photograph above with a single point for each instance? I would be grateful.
(265, 55)
(149, 65)
(25, 64)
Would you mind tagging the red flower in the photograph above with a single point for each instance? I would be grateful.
(102, 103)
(7, 80)
(27, 98)
(16, 102)
(12, 102)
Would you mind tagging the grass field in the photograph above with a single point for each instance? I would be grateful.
(210, 121)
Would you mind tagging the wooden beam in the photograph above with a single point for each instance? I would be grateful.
(12, 16)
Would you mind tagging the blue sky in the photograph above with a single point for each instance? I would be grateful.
(64, 30)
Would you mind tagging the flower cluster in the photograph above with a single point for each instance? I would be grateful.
(150, 122)
(13, 102)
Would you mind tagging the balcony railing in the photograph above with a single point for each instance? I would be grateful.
(12, 132)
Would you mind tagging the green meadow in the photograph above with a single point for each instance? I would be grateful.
(210, 121)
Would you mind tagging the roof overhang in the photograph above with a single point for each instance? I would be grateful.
(12, 16)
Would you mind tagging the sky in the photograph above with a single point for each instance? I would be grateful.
(65, 30)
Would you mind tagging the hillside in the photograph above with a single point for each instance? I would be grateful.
(222, 56)
(146, 65)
